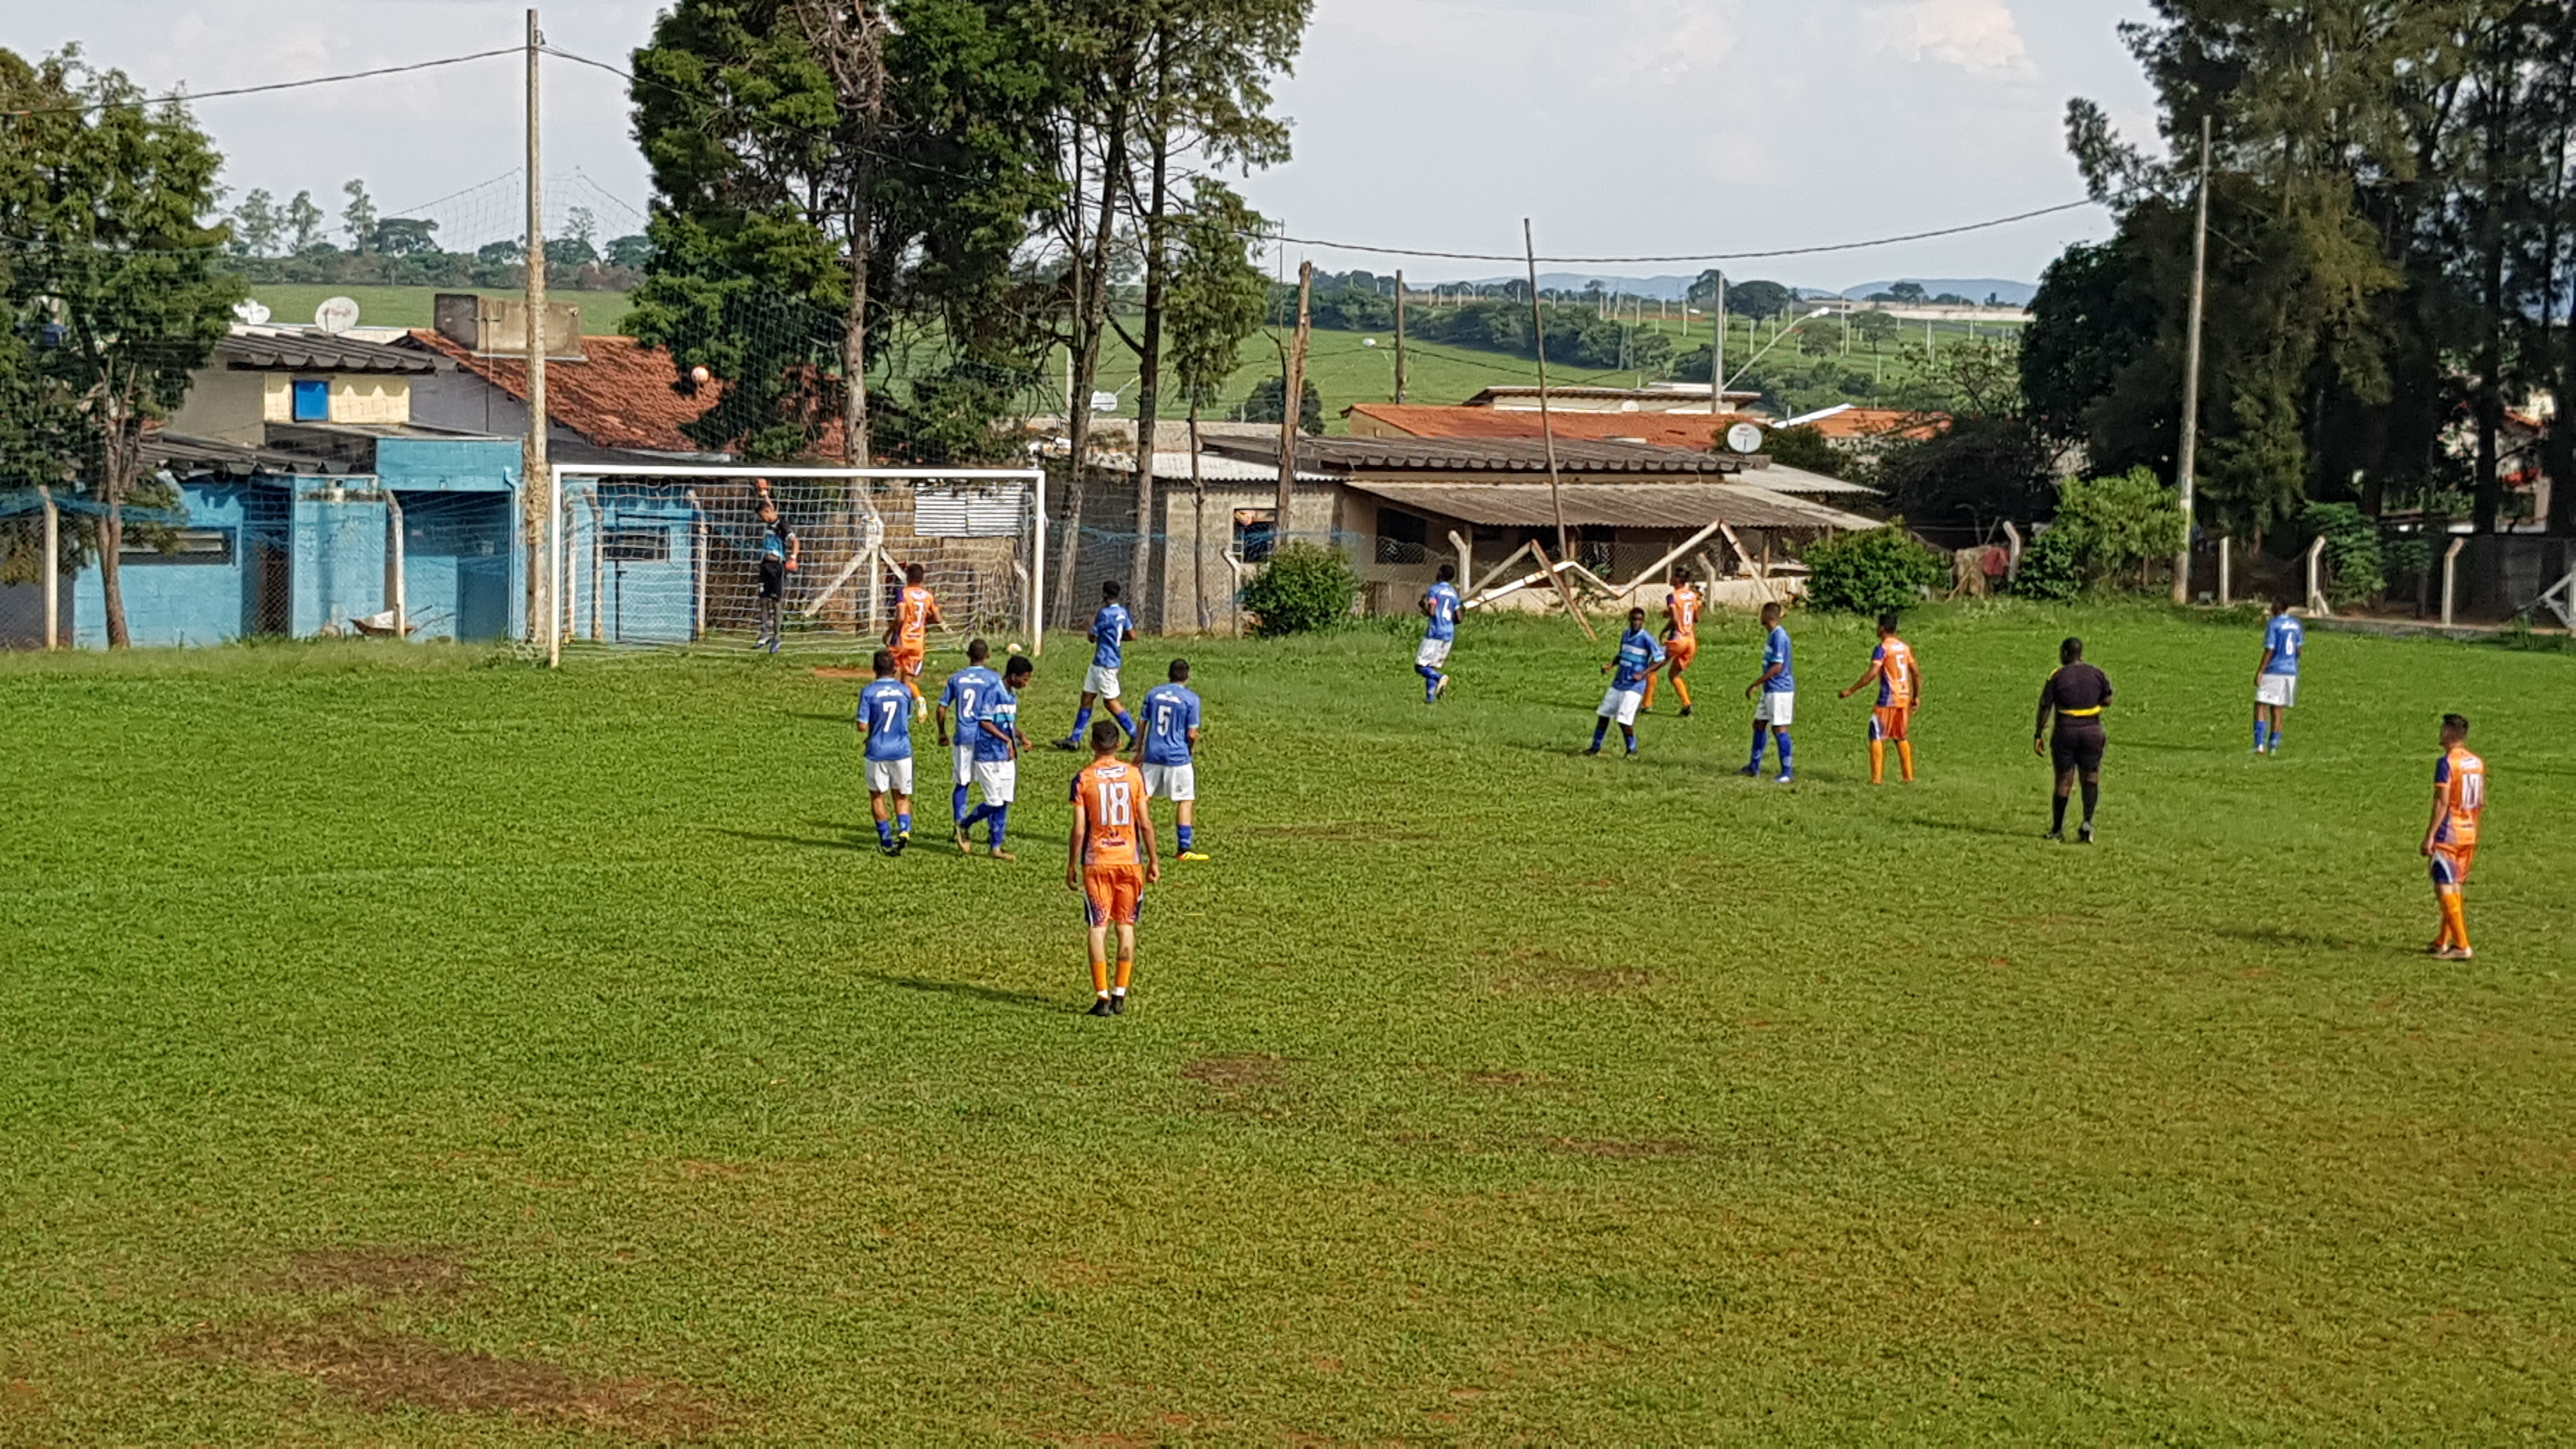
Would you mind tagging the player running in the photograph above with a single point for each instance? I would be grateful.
(965, 695)
(2451, 841)
(2276, 679)
(1778, 688)
(780, 553)
(885, 717)
(1111, 628)
(1440, 604)
(2076, 693)
(1681, 638)
(909, 635)
(1629, 672)
(1110, 820)
(998, 743)
(1900, 693)
(1169, 754)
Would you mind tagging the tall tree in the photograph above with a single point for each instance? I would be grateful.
(1218, 299)
(128, 293)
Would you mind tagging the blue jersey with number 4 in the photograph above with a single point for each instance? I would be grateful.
(1171, 712)
(885, 707)
(1109, 635)
(2285, 637)
(1775, 650)
(1638, 656)
(1002, 712)
(964, 699)
(1444, 612)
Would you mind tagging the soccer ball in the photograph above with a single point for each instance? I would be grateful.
(700, 375)
(1011, 648)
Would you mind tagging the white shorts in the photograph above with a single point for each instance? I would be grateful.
(1621, 704)
(998, 779)
(1433, 653)
(2280, 689)
(1777, 709)
(1171, 782)
(1101, 681)
(890, 776)
(965, 766)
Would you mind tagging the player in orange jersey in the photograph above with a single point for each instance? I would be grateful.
(1681, 637)
(2451, 840)
(909, 635)
(1110, 822)
(1900, 693)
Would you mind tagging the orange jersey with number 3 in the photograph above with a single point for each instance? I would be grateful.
(1109, 794)
(912, 617)
(1683, 605)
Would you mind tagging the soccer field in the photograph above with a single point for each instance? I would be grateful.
(416, 1047)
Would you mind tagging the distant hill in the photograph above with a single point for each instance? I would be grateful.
(1975, 289)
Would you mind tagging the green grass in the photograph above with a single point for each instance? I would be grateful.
(292, 304)
(367, 1011)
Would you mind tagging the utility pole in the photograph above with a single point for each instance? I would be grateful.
(1717, 355)
(2188, 460)
(536, 476)
(1292, 399)
(1399, 338)
(1546, 424)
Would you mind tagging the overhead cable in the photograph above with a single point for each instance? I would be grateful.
(1307, 241)
(319, 80)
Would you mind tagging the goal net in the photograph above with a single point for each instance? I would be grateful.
(672, 557)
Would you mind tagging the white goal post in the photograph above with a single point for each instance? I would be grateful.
(667, 555)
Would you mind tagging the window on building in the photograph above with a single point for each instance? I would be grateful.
(1255, 530)
(1401, 537)
(634, 544)
(312, 400)
(180, 546)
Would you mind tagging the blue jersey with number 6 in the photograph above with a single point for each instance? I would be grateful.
(1002, 712)
(885, 707)
(1171, 712)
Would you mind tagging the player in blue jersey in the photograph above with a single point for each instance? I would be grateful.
(1441, 605)
(1640, 655)
(1111, 628)
(2276, 679)
(998, 743)
(1778, 689)
(1169, 752)
(885, 718)
(963, 700)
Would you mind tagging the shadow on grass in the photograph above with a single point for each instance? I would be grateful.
(1026, 1001)
(2313, 940)
(762, 837)
(1966, 827)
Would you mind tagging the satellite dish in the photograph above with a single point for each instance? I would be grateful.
(1744, 438)
(250, 312)
(336, 315)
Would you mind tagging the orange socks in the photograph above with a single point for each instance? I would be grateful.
(1878, 762)
(1905, 753)
(1126, 971)
(1099, 977)
(1682, 689)
(2455, 920)
(1649, 701)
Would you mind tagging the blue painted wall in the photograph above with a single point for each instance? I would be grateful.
(338, 553)
(174, 603)
(631, 599)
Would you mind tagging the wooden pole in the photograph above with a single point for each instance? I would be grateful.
(1399, 338)
(1292, 399)
(1546, 424)
(536, 499)
(53, 573)
(2188, 458)
(2450, 577)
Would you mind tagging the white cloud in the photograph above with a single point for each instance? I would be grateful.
(1975, 35)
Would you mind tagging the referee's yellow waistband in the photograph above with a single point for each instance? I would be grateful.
(2081, 713)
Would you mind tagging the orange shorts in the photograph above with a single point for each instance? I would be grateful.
(1113, 895)
(1891, 722)
(1681, 652)
(908, 658)
(2451, 866)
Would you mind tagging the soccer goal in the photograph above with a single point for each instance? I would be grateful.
(674, 556)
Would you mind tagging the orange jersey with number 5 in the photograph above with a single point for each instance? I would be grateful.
(1897, 681)
(912, 617)
(1683, 605)
(1109, 793)
(2462, 779)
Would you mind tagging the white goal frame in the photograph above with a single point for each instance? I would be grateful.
(1035, 478)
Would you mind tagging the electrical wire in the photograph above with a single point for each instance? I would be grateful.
(1306, 241)
(319, 80)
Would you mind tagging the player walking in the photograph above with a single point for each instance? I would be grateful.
(998, 743)
(1110, 820)
(1169, 754)
(2451, 841)
(2076, 694)
(1778, 688)
(1900, 693)
(1681, 639)
(780, 552)
(885, 717)
(1440, 604)
(965, 695)
(2276, 679)
(1111, 628)
(1629, 672)
(909, 635)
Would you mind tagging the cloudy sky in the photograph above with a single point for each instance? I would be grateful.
(1624, 127)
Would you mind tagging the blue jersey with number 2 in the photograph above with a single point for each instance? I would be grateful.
(964, 698)
(885, 707)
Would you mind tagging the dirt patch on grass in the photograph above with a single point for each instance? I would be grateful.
(1573, 981)
(1627, 1148)
(386, 1272)
(378, 1371)
(1238, 1071)
(700, 1170)
(1503, 1081)
(843, 671)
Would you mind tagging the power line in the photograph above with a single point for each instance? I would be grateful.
(319, 80)
(1307, 241)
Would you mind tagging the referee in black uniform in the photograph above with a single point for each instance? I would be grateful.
(2076, 694)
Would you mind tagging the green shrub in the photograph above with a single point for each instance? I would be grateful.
(2128, 521)
(1305, 586)
(2358, 573)
(2051, 567)
(1872, 571)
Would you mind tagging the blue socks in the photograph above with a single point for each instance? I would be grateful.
(1632, 744)
(1783, 737)
(1761, 734)
(1186, 832)
(1126, 722)
(1430, 682)
(903, 823)
(957, 805)
(1081, 724)
(885, 832)
(999, 816)
(1600, 732)
(2262, 733)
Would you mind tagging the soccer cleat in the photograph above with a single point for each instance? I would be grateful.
(2057, 835)
(1596, 749)
(1100, 1007)
(1686, 709)
(964, 845)
(1193, 855)
(1000, 854)
(901, 843)
(1785, 777)
(2084, 833)
(2455, 953)
(1440, 689)
(1751, 772)
(1118, 1004)
(1068, 745)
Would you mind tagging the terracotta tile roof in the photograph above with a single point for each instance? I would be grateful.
(619, 396)
(1880, 422)
(1575, 456)
(1696, 431)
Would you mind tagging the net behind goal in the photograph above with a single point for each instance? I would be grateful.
(673, 557)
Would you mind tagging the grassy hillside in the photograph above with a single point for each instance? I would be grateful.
(289, 304)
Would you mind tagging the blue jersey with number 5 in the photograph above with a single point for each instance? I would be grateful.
(1171, 712)
(885, 707)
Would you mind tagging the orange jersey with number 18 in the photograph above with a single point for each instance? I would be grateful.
(2462, 779)
(912, 617)
(1108, 793)
(1683, 605)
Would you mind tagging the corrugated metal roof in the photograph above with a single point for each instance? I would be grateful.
(1614, 505)
(260, 351)
(190, 457)
(1781, 478)
(1345, 456)
(1171, 467)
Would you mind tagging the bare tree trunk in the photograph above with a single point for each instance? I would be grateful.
(117, 462)
(1149, 361)
(1198, 529)
(854, 346)
(1091, 310)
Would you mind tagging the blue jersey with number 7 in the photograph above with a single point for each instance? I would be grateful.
(885, 708)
